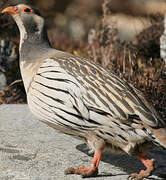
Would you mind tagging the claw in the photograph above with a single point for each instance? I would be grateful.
(83, 171)
(149, 164)
(92, 171)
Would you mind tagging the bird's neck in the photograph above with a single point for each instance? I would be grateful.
(33, 45)
(33, 48)
(33, 38)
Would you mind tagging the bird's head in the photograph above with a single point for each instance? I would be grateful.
(27, 18)
(31, 24)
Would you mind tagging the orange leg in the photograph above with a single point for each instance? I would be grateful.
(87, 172)
(148, 163)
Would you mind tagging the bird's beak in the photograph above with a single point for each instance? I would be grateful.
(10, 10)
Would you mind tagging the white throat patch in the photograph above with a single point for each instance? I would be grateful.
(23, 33)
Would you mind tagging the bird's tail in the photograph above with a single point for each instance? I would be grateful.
(160, 134)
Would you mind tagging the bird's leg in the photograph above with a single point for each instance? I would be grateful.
(148, 163)
(87, 172)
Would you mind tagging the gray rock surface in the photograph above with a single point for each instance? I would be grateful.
(3, 82)
(29, 150)
(163, 42)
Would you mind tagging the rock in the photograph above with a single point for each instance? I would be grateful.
(8, 58)
(30, 150)
(3, 81)
(163, 42)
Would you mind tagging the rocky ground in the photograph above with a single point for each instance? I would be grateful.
(29, 150)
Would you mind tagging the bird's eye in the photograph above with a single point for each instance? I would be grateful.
(27, 10)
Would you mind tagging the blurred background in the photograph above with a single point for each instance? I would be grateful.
(72, 17)
(123, 36)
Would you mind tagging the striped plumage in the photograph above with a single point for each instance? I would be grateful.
(72, 93)
(80, 98)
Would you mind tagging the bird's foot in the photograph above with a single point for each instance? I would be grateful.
(144, 173)
(83, 171)
(92, 171)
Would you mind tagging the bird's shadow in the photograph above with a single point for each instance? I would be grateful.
(130, 164)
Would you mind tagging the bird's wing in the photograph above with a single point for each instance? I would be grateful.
(77, 93)
(104, 92)
(56, 96)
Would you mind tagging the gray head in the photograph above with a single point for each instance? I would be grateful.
(31, 25)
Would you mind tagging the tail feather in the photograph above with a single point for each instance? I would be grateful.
(160, 134)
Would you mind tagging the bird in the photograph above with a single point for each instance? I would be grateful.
(80, 98)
